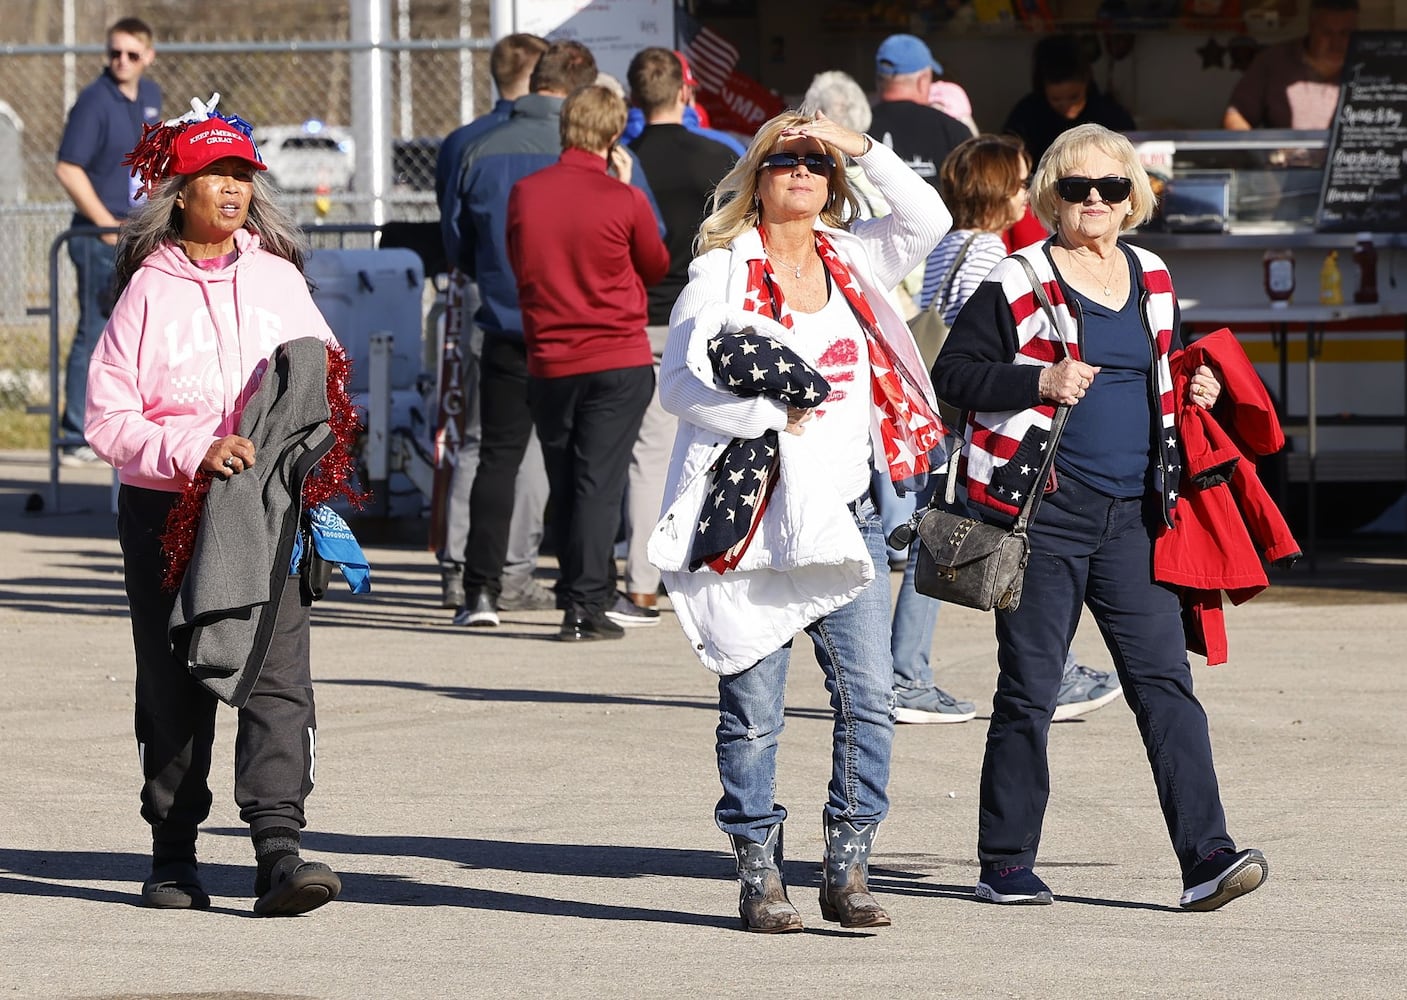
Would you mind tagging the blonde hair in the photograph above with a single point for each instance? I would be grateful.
(1066, 152)
(592, 118)
(734, 208)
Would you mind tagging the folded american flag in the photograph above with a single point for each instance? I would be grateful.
(748, 363)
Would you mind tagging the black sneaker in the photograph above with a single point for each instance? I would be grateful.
(626, 613)
(1016, 884)
(478, 611)
(1222, 876)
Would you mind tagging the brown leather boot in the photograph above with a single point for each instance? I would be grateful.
(762, 899)
(845, 892)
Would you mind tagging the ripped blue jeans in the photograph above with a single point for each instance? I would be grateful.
(852, 647)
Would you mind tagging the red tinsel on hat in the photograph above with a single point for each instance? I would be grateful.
(330, 478)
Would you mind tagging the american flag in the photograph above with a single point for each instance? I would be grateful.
(711, 56)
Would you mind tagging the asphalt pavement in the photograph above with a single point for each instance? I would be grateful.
(518, 817)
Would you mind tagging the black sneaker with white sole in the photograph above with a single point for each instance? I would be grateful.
(627, 614)
(1013, 885)
(1222, 876)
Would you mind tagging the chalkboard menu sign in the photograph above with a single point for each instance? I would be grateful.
(1366, 168)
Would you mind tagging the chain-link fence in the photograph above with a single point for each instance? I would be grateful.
(306, 93)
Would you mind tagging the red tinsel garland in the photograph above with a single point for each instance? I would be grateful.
(152, 154)
(331, 477)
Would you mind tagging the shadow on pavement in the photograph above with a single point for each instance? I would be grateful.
(535, 696)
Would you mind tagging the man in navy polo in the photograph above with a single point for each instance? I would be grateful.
(104, 125)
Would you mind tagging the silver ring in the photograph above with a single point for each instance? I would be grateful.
(229, 463)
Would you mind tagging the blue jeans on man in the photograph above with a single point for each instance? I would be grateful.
(853, 651)
(94, 262)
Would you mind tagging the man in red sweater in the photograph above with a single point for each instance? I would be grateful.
(583, 246)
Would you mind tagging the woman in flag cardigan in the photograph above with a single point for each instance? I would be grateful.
(1111, 490)
(779, 254)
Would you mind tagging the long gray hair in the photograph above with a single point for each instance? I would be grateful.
(158, 221)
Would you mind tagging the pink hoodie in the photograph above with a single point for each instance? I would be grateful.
(182, 353)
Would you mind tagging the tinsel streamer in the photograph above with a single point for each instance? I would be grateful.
(331, 477)
(150, 158)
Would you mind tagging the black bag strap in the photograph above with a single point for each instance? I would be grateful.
(1057, 424)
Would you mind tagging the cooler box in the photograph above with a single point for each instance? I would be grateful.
(361, 292)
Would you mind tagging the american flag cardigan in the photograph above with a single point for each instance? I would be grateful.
(1001, 456)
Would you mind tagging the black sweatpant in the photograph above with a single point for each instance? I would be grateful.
(588, 425)
(175, 717)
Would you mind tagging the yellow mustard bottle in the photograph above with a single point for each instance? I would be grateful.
(1331, 281)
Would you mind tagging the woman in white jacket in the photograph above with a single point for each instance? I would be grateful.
(779, 254)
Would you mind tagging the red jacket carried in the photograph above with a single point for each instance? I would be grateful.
(1225, 521)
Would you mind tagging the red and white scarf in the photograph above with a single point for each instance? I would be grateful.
(908, 426)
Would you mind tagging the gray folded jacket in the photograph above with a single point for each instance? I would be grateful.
(225, 613)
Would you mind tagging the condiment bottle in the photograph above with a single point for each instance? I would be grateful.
(1331, 281)
(1365, 255)
(1279, 277)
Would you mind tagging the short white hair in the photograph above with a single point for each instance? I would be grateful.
(840, 98)
(604, 79)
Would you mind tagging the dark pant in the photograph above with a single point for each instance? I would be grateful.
(175, 718)
(1090, 549)
(93, 261)
(505, 424)
(587, 425)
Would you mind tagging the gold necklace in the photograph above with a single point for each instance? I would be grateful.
(796, 268)
(1107, 282)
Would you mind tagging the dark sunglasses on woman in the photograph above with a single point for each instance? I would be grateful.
(1076, 189)
(817, 163)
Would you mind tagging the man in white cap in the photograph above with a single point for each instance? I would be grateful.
(903, 119)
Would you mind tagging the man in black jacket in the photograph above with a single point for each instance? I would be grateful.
(683, 167)
(903, 120)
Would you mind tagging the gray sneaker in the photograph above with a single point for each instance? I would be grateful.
(535, 597)
(79, 457)
(929, 706)
(1083, 690)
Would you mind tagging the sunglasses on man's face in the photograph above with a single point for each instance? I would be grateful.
(118, 54)
(1076, 189)
(820, 164)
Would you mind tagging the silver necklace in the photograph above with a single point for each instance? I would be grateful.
(1106, 282)
(796, 268)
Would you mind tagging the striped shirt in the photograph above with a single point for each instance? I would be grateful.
(981, 257)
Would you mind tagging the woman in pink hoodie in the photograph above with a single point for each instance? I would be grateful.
(210, 276)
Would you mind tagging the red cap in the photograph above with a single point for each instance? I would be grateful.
(202, 143)
(689, 80)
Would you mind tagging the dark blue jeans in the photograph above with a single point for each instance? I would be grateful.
(94, 262)
(1093, 550)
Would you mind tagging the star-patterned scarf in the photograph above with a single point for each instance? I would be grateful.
(908, 426)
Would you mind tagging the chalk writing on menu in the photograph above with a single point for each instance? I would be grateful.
(1367, 163)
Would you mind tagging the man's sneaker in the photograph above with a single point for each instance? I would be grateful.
(478, 613)
(535, 597)
(1083, 690)
(1016, 885)
(78, 457)
(451, 585)
(1222, 876)
(628, 614)
(927, 706)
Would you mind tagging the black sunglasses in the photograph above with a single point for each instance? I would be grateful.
(1076, 189)
(119, 53)
(820, 164)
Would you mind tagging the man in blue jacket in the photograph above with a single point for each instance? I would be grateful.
(103, 125)
(527, 142)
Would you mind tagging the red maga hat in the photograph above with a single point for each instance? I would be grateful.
(202, 143)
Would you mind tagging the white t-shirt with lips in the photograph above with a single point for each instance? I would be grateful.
(832, 342)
